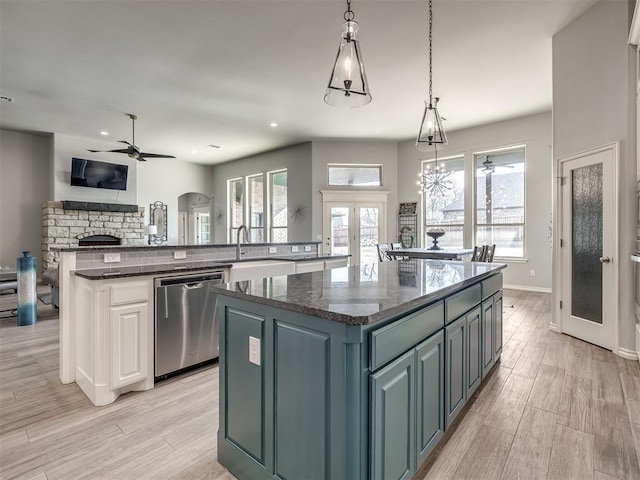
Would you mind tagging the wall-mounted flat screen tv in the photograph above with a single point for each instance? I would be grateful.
(91, 173)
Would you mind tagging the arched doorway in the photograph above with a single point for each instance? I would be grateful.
(194, 219)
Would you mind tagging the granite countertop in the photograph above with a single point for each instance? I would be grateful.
(364, 294)
(115, 271)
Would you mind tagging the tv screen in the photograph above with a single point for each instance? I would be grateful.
(91, 173)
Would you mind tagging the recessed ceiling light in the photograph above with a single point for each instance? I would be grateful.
(273, 124)
(103, 132)
(194, 151)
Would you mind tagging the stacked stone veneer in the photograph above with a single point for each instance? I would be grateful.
(64, 228)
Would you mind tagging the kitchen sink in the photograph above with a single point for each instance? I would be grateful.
(256, 269)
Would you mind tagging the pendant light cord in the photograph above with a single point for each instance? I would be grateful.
(349, 15)
(430, 52)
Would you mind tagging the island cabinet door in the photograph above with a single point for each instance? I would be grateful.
(474, 350)
(497, 331)
(392, 420)
(429, 360)
(455, 369)
(488, 332)
(129, 344)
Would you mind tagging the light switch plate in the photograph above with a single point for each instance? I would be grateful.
(254, 350)
(179, 254)
(111, 257)
(294, 248)
(307, 248)
(273, 249)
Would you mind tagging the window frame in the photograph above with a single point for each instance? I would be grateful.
(377, 166)
(270, 226)
(231, 229)
(523, 224)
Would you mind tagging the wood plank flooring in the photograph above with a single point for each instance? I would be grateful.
(554, 408)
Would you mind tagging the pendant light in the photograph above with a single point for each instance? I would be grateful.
(348, 86)
(431, 131)
(436, 182)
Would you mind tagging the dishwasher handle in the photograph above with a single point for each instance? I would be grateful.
(192, 286)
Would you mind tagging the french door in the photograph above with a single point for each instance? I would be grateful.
(589, 246)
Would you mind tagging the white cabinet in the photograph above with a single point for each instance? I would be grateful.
(113, 337)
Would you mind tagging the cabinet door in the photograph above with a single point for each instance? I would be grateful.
(455, 369)
(129, 326)
(392, 420)
(497, 324)
(474, 350)
(487, 335)
(429, 361)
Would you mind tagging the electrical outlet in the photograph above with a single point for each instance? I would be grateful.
(532, 273)
(273, 249)
(111, 257)
(294, 248)
(307, 248)
(179, 254)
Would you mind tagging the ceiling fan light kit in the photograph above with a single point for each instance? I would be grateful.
(348, 85)
(133, 151)
(431, 132)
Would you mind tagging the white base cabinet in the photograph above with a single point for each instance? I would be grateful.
(113, 337)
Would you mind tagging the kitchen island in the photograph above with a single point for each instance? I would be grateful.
(352, 373)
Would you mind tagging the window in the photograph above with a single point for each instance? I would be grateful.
(256, 208)
(248, 208)
(355, 175)
(235, 188)
(279, 212)
(500, 201)
(443, 199)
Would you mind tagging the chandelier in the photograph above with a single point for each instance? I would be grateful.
(436, 181)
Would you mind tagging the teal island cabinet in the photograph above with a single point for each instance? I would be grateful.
(355, 372)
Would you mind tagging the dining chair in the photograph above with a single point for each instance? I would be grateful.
(478, 253)
(489, 251)
(382, 252)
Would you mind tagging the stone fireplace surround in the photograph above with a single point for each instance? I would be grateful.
(65, 223)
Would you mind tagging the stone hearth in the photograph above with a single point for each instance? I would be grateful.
(63, 226)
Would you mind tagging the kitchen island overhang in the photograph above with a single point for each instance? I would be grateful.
(352, 373)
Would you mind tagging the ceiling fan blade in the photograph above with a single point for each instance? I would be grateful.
(155, 155)
(124, 141)
(124, 150)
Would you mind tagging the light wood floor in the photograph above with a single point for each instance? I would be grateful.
(555, 408)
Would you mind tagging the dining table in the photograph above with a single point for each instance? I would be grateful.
(440, 254)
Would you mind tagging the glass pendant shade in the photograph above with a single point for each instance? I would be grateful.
(431, 131)
(348, 86)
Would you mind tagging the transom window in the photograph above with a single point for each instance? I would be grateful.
(355, 175)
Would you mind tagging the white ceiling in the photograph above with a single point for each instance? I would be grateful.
(203, 72)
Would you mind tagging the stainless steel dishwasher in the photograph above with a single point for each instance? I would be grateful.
(185, 329)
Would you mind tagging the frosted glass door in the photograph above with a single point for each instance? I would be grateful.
(588, 309)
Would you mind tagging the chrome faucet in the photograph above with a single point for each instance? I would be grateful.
(241, 228)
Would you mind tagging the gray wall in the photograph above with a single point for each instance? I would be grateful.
(24, 186)
(296, 159)
(359, 153)
(535, 132)
(593, 105)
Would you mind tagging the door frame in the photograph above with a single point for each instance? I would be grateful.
(354, 197)
(558, 273)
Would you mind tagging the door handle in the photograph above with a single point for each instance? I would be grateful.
(605, 259)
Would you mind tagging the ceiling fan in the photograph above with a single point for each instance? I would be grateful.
(133, 151)
(489, 167)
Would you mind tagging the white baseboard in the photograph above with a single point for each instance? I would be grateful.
(554, 327)
(527, 288)
(628, 354)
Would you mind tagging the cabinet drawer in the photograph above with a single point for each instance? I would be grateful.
(396, 338)
(130, 292)
(462, 302)
(491, 285)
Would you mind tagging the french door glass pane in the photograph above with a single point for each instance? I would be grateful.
(369, 228)
(586, 241)
(339, 231)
